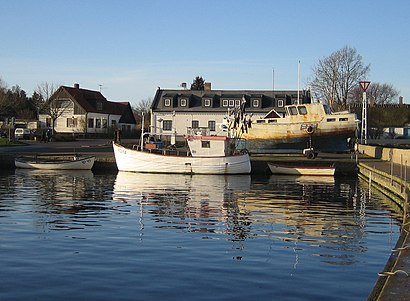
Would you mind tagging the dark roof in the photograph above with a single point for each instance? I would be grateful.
(89, 99)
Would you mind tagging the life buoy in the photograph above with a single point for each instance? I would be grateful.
(310, 129)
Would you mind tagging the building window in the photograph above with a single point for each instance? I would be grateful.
(207, 102)
(211, 125)
(231, 103)
(114, 123)
(71, 122)
(237, 102)
(90, 123)
(195, 124)
(255, 103)
(206, 144)
(183, 102)
(99, 106)
(280, 103)
(98, 123)
(224, 102)
(167, 125)
(167, 102)
(104, 123)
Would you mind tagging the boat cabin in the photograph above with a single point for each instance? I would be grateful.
(202, 144)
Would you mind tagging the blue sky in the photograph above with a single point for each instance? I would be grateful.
(133, 47)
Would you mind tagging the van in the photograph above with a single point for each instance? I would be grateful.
(22, 133)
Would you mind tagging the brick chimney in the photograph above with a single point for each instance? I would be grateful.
(77, 86)
(207, 86)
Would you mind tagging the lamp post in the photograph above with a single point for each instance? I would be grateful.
(363, 134)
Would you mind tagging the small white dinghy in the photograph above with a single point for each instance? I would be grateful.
(301, 170)
(78, 163)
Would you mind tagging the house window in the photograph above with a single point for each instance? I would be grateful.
(195, 124)
(98, 123)
(231, 102)
(167, 102)
(99, 106)
(280, 103)
(211, 125)
(90, 123)
(237, 102)
(207, 102)
(255, 103)
(206, 144)
(104, 123)
(167, 125)
(183, 102)
(71, 122)
(225, 103)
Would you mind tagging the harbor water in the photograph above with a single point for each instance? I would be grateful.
(81, 236)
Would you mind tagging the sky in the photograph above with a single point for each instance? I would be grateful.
(129, 48)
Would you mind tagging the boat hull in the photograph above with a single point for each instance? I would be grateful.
(141, 161)
(336, 142)
(79, 164)
(302, 170)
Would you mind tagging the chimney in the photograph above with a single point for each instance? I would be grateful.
(208, 86)
(401, 100)
(77, 86)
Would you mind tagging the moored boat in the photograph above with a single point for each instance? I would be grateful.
(301, 170)
(205, 155)
(311, 125)
(77, 163)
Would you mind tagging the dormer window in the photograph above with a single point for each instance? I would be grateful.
(280, 103)
(167, 102)
(207, 102)
(99, 106)
(231, 102)
(255, 103)
(225, 103)
(237, 102)
(183, 102)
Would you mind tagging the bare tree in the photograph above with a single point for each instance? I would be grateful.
(337, 75)
(50, 103)
(143, 106)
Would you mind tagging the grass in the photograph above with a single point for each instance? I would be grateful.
(6, 142)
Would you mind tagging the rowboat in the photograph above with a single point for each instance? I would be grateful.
(77, 163)
(301, 170)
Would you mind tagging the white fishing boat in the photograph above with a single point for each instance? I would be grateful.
(205, 155)
(77, 163)
(283, 169)
(311, 125)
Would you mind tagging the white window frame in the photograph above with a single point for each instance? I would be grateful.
(207, 102)
(183, 102)
(167, 102)
(280, 103)
(224, 102)
(231, 103)
(255, 103)
(237, 102)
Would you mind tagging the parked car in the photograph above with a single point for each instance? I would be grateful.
(20, 133)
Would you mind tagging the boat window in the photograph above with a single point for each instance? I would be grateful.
(272, 120)
(331, 119)
(302, 110)
(293, 110)
(237, 102)
(260, 121)
(343, 119)
(206, 144)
